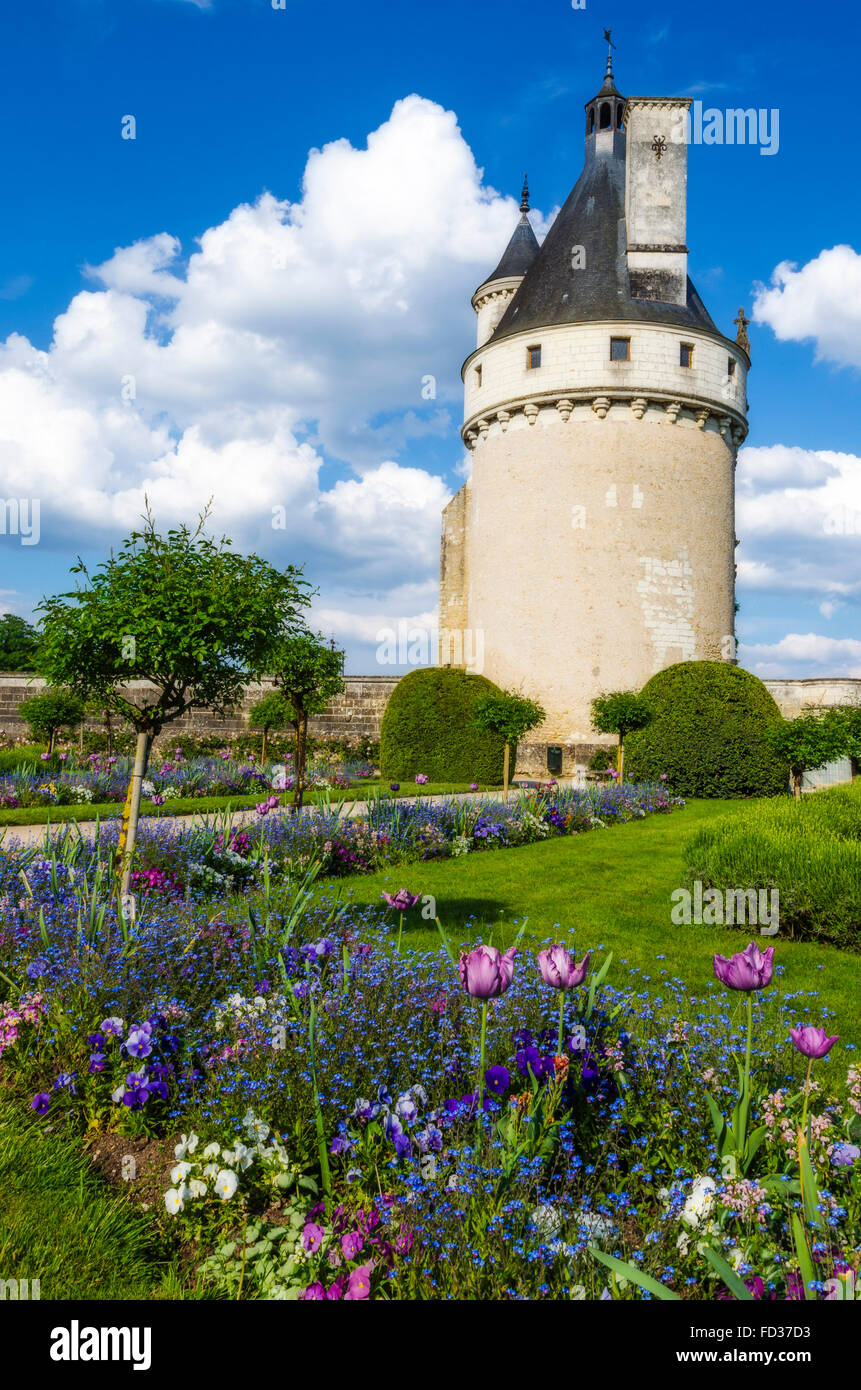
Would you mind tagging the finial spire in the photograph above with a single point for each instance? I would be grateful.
(610, 47)
(524, 197)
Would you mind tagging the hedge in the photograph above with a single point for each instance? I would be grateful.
(707, 733)
(810, 851)
(427, 727)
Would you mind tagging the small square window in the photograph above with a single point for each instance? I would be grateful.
(620, 349)
(730, 366)
(686, 355)
(477, 377)
(533, 357)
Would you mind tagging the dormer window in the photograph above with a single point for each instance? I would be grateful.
(533, 358)
(686, 355)
(620, 349)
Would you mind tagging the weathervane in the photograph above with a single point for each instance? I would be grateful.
(610, 47)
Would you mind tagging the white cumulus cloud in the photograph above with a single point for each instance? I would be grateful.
(820, 301)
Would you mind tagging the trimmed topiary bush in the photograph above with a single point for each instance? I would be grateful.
(708, 733)
(428, 727)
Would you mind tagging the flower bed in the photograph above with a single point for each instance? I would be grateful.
(414, 1126)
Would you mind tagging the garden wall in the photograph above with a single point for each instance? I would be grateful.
(356, 713)
(359, 710)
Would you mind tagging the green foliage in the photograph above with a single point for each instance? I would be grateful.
(810, 851)
(620, 712)
(274, 711)
(309, 673)
(510, 715)
(708, 733)
(811, 740)
(428, 727)
(19, 643)
(180, 610)
(52, 710)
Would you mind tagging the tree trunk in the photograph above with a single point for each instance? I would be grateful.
(263, 748)
(299, 775)
(51, 742)
(109, 730)
(505, 769)
(129, 830)
(620, 762)
(797, 779)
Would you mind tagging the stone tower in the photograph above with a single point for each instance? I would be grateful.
(594, 543)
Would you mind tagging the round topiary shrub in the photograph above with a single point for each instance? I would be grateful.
(707, 733)
(427, 727)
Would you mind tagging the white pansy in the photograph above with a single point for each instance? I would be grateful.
(173, 1201)
(226, 1184)
(187, 1144)
(179, 1172)
(197, 1188)
(211, 1170)
(211, 1151)
(699, 1202)
(243, 1157)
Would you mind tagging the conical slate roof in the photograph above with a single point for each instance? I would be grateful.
(552, 292)
(518, 254)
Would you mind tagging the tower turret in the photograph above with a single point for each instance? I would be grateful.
(594, 542)
(494, 294)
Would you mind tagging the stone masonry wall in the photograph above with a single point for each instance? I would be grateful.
(356, 713)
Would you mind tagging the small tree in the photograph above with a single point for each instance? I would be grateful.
(48, 713)
(621, 712)
(310, 674)
(179, 611)
(811, 740)
(19, 643)
(510, 716)
(273, 711)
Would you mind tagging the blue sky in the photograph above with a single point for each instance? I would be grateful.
(314, 377)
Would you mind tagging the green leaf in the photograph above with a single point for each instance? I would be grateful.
(729, 1276)
(809, 1188)
(635, 1275)
(802, 1250)
(718, 1123)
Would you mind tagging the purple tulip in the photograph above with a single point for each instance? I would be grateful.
(394, 786)
(422, 779)
(559, 969)
(485, 972)
(401, 901)
(746, 970)
(473, 786)
(813, 1042)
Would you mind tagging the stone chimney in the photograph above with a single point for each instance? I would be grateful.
(656, 197)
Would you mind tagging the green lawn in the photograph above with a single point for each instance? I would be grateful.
(607, 888)
(60, 1223)
(203, 805)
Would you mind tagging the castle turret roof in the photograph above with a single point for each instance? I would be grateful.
(521, 249)
(593, 217)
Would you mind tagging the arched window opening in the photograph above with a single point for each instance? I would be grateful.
(606, 119)
(591, 119)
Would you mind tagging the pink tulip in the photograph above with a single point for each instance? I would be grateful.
(559, 968)
(485, 972)
(402, 901)
(746, 970)
(813, 1042)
